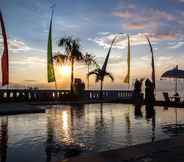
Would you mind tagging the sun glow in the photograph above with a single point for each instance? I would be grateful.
(64, 70)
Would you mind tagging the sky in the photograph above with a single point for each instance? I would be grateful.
(94, 23)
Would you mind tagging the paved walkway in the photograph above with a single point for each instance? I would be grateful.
(171, 150)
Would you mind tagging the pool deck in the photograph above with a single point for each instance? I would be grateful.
(170, 150)
(19, 108)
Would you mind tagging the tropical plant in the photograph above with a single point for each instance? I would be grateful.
(101, 73)
(89, 60)
(72, 53)
(59, 58)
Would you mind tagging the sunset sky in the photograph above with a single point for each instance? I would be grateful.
(94, 22)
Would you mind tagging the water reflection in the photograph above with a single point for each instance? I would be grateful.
(65, 123)
(59, 131)
(4, 139)
(100, 126)
(49, 141)
(101, 121)
(150, 112)
(69, 130)
(150, 115)
(128, 125)
(69, 124)
(137, 111)
(176, 128)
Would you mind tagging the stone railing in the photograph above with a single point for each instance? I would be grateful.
(20, 95)
(109, 94)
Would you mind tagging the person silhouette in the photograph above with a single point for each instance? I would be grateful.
(149, 92)
(137, 96)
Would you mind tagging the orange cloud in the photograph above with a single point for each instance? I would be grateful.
(135, 26)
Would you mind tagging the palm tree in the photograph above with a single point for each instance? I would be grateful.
(72, 53)
(89, 60)
(101, 73)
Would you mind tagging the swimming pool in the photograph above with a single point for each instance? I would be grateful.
(92, 128)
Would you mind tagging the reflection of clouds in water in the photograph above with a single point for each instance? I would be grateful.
(85, 127)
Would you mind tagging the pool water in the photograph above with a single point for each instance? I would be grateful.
(90, 128)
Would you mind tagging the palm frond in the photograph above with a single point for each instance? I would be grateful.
(66, 43)
(97, 72)
(79, 55)
(60, 58)
(72, 48)
(109, 75)
(89, 59)
(94, 72)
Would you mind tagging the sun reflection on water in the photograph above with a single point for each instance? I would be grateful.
(65, 120)
(65, 129)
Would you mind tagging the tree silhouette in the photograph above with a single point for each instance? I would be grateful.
(89, 60)
(101, 73)
(72, 53)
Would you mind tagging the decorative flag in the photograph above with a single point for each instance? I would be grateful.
(127, 78)
(152, 62)
(4, 58)
(50, 67)
(107, 57)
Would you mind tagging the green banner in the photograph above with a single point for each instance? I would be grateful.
(50, 67)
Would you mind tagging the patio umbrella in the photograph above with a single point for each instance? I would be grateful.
(174, 73)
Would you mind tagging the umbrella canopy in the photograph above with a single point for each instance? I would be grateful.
(173, 73)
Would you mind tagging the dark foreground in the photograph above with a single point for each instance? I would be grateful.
(19, 108)
(170, 150)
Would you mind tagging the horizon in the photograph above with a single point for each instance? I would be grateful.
(95, 24)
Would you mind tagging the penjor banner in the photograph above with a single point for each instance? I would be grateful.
(4, 58)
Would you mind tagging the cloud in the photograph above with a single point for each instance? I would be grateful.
(121, 43)
(145, 15)
(181, 1)
(160, 25)
(103, 33)
(29, 60)
(124, 14)
(135, 26)
(158, 58)
(136, 39)
(113, 60)
(177, 45)
(163, 24)
(166, 36)
(65, 26)
(17, 46)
